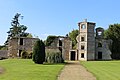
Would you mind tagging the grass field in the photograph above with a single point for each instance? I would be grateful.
(104, 70)
(24, 69)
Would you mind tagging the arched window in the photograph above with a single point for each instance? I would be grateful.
(99, 44)
(83, 26)
(99, 33)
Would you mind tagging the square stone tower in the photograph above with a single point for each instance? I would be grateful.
(86, 41)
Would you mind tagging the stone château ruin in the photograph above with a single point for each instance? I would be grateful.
(63, 44)
(91, 45)
(17, 45)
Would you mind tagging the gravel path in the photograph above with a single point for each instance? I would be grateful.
(74, 71)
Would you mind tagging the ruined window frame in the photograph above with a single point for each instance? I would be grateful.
(99, 33)
(82, 38)
(82, 55)
(83, 26)
(82, 47)
(99, 44)
(21, 42)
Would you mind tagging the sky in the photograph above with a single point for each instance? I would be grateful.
(57, 17)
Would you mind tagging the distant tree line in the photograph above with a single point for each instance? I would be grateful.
(113, 33)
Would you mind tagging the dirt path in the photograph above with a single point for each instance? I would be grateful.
(74, 71)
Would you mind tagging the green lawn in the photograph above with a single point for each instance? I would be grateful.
(104, 70)
(24, 69)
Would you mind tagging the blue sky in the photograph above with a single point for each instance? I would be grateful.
(57, 17)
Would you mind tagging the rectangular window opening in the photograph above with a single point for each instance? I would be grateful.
(60, 42)
(82, 47)
(82, 38)
(82, 55)
(21, 41)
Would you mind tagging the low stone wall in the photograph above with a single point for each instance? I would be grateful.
(3, 54)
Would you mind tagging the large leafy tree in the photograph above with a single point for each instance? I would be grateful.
(39, 52)
(73, 34)
(16, 30)
(113, 32)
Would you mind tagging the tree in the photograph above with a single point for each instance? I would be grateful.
(73, 34)
(113, 32)
(54, 56)
(16, 30)
(49, 40)
(29, 35)
(39, 52)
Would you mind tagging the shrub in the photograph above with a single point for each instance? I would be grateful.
(54, 56)
(39, 52)
(24, 54)
(30, 55)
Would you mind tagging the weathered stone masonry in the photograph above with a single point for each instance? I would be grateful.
(17, 45)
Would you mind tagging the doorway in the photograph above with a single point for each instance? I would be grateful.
(20, 51)
(99, 55)
(73, 55)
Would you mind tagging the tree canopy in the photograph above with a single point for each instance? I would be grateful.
(73, 34)
(16, 30)
(49, 40)
(113, 32)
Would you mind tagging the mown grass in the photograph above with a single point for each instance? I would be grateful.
(24, 69)
(104, 70)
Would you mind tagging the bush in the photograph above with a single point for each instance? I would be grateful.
(54, 56)
(26, 55)
(39, 52)
(30, 55)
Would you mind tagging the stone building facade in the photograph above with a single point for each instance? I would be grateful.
(63, 44)
(17, 45)
(3, 54)
(102, 45)
(91, 45)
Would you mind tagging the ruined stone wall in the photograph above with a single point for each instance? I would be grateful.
(106, 53)
(14, 46)
(3, 54)
(90, 41)
(67, 46)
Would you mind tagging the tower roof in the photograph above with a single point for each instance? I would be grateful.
(85, 21)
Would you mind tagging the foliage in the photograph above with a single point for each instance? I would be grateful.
(54, 56)
(104, 70)
(73, 34)
(16, 30)
(50, 39)
(29, 35)
(3, 47)
(26, 55)
(25, 69)
(113, 32)
(39, 52)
